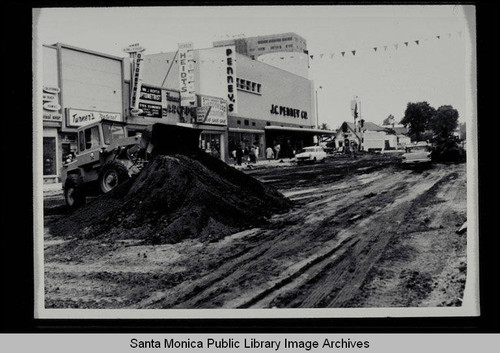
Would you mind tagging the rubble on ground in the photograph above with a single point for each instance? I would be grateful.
(175, 198)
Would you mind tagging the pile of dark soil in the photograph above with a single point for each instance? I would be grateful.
(175, 198)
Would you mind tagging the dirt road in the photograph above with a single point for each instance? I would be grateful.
(363, 233)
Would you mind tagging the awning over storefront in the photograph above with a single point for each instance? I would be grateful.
(246, 131)
(300, 130)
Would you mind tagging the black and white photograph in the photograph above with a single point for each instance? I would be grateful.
(255, 161)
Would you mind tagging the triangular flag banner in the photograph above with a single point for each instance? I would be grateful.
(438, 37)
(416, 42)
(354, 52)
(396, 46)
(311, 56)
(406, 43)
(375, 48)
(343, 53)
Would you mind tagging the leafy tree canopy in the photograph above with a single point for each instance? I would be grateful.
(416, 118)
(444, 121)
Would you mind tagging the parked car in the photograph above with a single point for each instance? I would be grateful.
(419, 153)
(311, 154)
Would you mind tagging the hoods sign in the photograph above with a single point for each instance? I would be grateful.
(78, 117)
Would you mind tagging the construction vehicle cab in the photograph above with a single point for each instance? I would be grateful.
(105, 157)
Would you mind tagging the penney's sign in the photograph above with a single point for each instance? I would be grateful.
(287, 111)
(231, 79)
(78, 117)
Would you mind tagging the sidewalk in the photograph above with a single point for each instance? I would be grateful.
(262, 163)
(52, 189)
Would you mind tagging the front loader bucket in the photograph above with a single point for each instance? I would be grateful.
(170, 139)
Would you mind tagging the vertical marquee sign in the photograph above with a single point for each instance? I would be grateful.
(231, 79)
(186, 75)
(135, 51)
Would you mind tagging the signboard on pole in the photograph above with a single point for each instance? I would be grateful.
(212, 110)
(135, 51)
(79, 117)
(186, 75)
(355, 107)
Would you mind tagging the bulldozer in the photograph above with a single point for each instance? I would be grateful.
(106, 156)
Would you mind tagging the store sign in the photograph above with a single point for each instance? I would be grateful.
(149, 93)
(231, 80)
(51, 106)
(47, 97)
(186, 74)
(287, 111)
(53, 90)
(133, 48)
(136, 112)
(215, 109)
(77, 117)
(52, 117)
(136, 80)
(150, 110)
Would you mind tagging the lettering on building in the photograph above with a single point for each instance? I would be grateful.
(287, 111)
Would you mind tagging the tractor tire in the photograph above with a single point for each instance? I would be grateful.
(73, 193)
(111, 175)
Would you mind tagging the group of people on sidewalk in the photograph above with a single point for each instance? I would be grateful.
(253, 153)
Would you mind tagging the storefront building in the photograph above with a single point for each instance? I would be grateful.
(236, 101)
(265, 106)
(79, 87)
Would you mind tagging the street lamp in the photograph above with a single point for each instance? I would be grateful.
(317, 107)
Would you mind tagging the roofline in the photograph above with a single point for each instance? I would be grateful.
(88, 51)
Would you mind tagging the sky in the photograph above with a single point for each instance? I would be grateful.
(436, 70)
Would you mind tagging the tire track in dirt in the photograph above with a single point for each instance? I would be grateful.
(279, 256)
(340, 279)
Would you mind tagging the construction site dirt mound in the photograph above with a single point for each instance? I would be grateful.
(174, 198)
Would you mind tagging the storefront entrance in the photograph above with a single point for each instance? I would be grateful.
(211, 144)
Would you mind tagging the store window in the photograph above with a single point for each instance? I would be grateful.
(49, 156)
(210, 143)
(89, 138)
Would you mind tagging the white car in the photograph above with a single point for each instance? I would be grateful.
(311, 154)
(417, 154)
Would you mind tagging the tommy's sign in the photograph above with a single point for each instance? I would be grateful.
(287, 111)
(78, 117)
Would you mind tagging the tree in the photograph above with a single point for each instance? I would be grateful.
(416, 119)
(443, 122)
(389, 120)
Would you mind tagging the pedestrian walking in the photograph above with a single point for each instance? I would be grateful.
(277, 151)
(239, 155)
(252, 154)
(269, 153)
